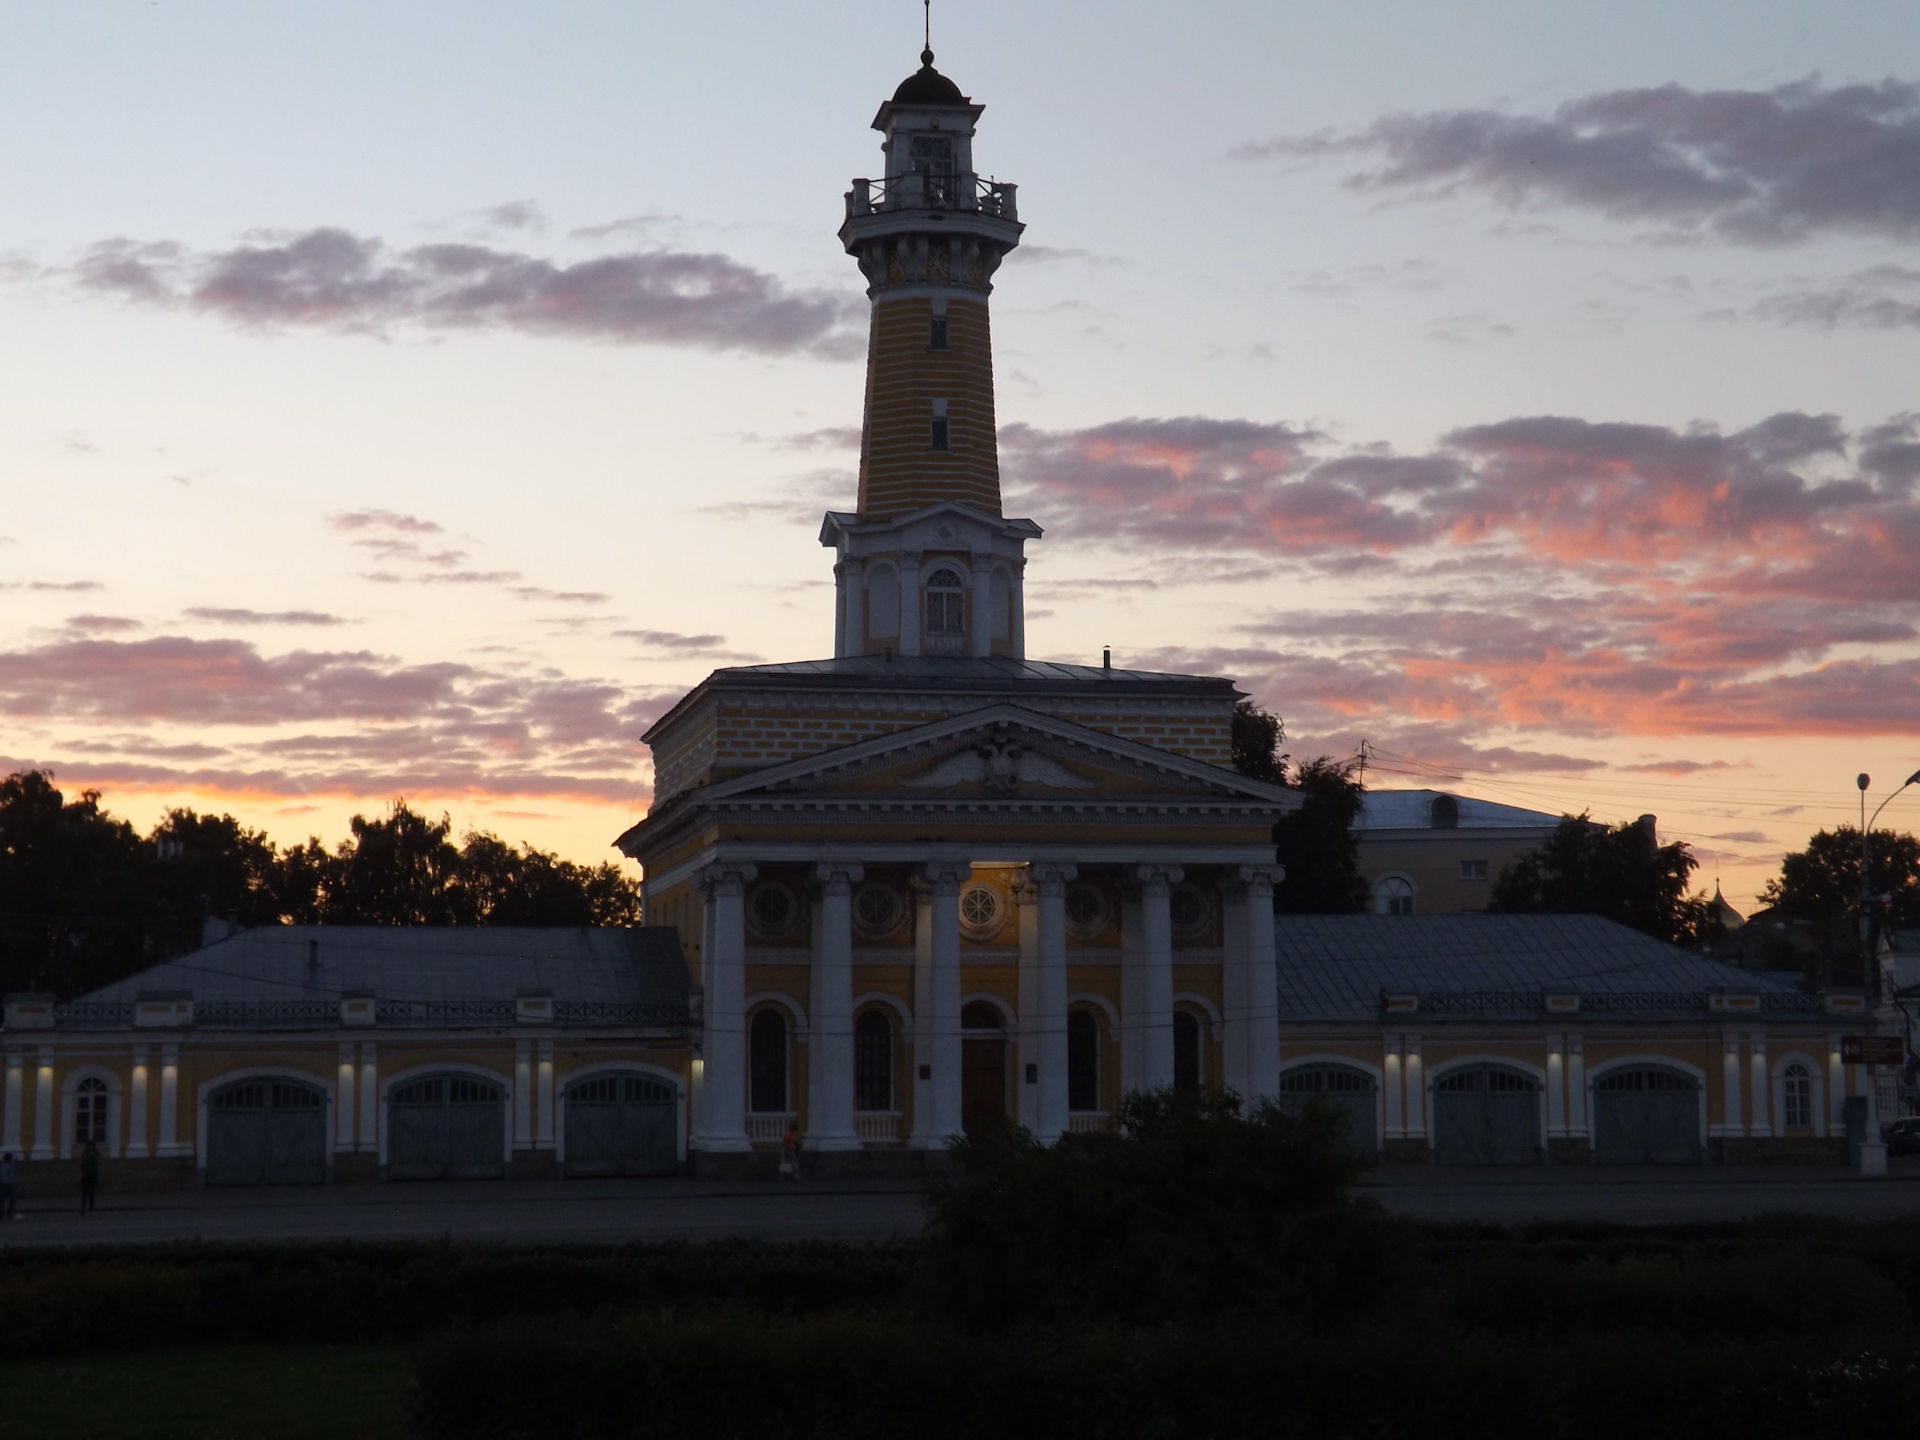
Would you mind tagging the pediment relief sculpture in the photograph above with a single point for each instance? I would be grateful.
(1000, 766)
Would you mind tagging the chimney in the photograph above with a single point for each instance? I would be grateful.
(1106, 659)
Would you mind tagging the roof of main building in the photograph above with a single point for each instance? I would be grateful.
(419, 974)
(957, 672)
(1336, 967)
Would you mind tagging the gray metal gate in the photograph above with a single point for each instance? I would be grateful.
(1648, 1115)
(1344, 1088)
(1486, 1115)
(267, 1132)
(446, 1127)
(622, 1125)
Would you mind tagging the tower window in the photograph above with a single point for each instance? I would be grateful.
(946, 603)
(937, 333)
(941, 436)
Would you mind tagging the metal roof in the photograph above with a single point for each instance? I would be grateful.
(430, 975)
(1337, 967)
(1412, 810)
(958, 670)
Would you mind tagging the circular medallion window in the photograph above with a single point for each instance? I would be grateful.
(981, 910)
(1087, 911)
(1190, 910)
(877, 911)
(771, 910)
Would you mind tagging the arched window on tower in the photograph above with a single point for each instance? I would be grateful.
(946, 612)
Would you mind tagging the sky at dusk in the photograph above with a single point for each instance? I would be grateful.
(414, 400)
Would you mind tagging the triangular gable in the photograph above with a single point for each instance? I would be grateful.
(1000, 750)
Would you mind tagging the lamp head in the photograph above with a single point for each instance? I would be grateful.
(1913, 779)
(1863, 781)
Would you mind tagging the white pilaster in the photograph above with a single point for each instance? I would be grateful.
(543, 1131)
(1836, 1087)
(343, 1107)
(1732, 1121)
(369, 1097)
(1577, 1087)
(1762, 1090)
(940, 1050)
(1262, 984)
(1155, 1019)
(851, 609)
(137, 1104)
(1133, 1047)
(1233, 985)
(723, 980)
(1051, 880)
(1026, 899)
(980, 605)
(43, 1145)
(15, 1101)
(1556, 1087)
(170, 1142)
(1392, 1086)
(1017, 620)
(523, 1095)
(1416, 1090)
(909, 602)
(830, 1034)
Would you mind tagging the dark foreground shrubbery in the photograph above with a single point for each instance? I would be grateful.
(1190, 1211)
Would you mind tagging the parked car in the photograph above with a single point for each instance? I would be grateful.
(1903, 1136)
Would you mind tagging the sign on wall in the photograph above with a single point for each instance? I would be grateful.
(1873, 1050)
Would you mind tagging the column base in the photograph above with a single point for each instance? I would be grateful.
(828, 1144)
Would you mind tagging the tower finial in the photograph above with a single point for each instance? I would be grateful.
(926, 52)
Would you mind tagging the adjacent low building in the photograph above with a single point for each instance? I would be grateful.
(1426, 852)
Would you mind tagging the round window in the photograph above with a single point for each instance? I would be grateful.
(877, 911)
(771, 910)
(1190, 911)
(1087, 911)
(980, 912)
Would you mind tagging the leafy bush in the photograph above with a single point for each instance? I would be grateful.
(1190, 1211)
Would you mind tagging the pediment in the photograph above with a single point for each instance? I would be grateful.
(1001, 753)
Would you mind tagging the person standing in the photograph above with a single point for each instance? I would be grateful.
(790, 1153)
(6, 1187)
(89, 1176)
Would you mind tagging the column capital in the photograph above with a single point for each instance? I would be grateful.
(1157, 880)
(852, 565)
(1052, 876)
(728, 877)
(980, 560)
(910, 559)
(1260, 879)
(944, 876)
(838, 877)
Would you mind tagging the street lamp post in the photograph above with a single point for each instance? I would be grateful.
(1873, 1151)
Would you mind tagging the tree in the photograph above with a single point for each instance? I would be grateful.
(206, 865)
(399, 870)
(503, 886)
(1622, 873)
(1821, 883)
(1315, 844)
(1257, 737)
(69, 891)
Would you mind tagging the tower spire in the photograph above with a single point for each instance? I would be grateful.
(926, 46)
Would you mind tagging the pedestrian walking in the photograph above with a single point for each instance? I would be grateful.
(6, 1187)
(89, 1176)
(790, 1154)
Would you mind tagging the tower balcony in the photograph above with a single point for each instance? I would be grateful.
(923, 194)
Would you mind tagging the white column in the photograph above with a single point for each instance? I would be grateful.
(523, 1095)
(1263, 984)
(15, 1101)
(170, 1143)
(1156, 971)
(980, 606)
(369, 1097)
(909, 602)
(852, 608)
(43, 1146)
(1556, 1087)
(1416, 1090)
(830, 1035)
(1233, 985)
(1732, 1121)
(1026, 899)
(1052, 879)
(1392, 1083)
(1133, 1040)
(723, 981)
(1836, 1087)
(137, 1104)
(343, 1108)
(1577, 1086)
(1017, 620)
(1762, 1090)
(938, 1119)
(543, 1134)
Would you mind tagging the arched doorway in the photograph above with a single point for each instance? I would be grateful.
(1646, 1115)
(983, 1066)
(622, 1124)
(267, 1131)
(447, 1127)
(1486, 1115)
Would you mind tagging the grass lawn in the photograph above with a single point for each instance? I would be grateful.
(225, 1392)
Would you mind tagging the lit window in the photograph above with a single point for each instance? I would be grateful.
(1393, 896)
(937, 333)
(1796, 1097)
(1473, 869)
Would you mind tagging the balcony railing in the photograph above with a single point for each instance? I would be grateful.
(968, 192)
(767, 1127)
(877, 1127)
(1088, 1122)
